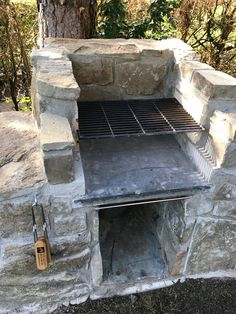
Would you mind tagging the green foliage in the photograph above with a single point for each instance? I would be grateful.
(18, 29)
(162, 22)
(158, 23)
(210, 28)
(112, 19)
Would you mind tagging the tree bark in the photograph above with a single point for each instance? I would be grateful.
(69, 18)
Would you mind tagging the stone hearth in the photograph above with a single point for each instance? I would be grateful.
(124, 215)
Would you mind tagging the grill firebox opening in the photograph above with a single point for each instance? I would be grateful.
(129, 243)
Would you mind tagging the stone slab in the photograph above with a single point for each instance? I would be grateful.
(59, 166)
(215, 84)
(21, 160)
(213, 247)
(92, 70)
(187, 68)
(55, 133)
(141, 78)
(67, 225)
(56, 53)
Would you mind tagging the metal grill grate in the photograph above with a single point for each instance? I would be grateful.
(134, 117)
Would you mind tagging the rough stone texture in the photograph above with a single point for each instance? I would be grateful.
(61, 107)
(150, 77)
(15, 218)
(215, 84)
(55, 133)
(222, 131)
(46, 54)
(186, 69)
(92, 70)
(60, 86)
(21, 163)
(226, 192)
(200, 204)
(225, 209)
(103, 63)
(213, 247)
(59, 166)
(65, 225)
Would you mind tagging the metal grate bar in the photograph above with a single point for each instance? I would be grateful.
(134, 117)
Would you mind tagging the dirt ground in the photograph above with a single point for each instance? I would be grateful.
(208, 296)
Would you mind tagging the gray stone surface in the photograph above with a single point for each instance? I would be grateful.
(58, 85)
(215, 84)
(222, 131)
(225, 208)
(226, 192)
(56, 133)
(62, 107)
(92, 70)
(152, 164)
(186, 69)
(15, 218)
(59, 166)
(198, 205)
(67, 225)
(46, 54)
(151, 76)
(21, 162)
(213, 247)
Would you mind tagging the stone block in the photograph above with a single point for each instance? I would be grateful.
(96, 92)
(96, 267)
(19, 222)
(62, 247)
(140, 78)
(92, 70)
(74, 223)
(58, 85)
(56, 53)
(225, 208)
(55, 133)
(192, 102)
(16, 250)
(21, 162)
(214, 84)
(59, 166)
(60, 205)
(223, 133)
(213, 247)
(186, 69)
(73, 263)
(227, 192)
(61, 107)
(198, 205)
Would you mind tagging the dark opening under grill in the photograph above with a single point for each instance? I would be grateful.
(134, 117)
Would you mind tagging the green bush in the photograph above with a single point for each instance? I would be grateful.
(18, 32)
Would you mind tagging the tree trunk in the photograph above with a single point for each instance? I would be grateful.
(69, 18)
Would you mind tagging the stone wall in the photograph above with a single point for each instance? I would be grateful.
(197, 235)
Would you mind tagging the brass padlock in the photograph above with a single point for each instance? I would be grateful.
(41, 244)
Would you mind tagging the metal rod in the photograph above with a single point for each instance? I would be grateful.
(141, 202)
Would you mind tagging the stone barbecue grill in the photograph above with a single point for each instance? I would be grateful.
(131, 150)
